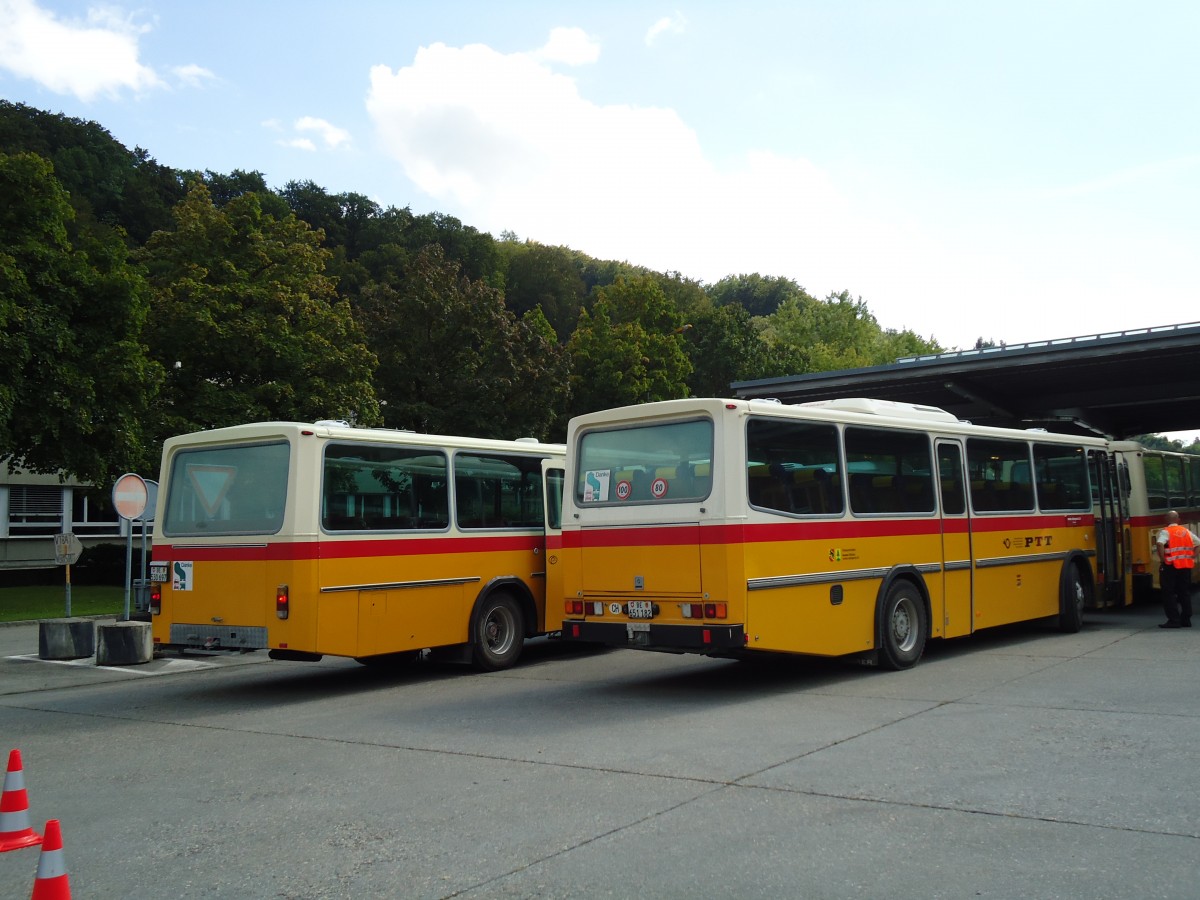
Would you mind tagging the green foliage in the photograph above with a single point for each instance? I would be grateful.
(838, 333)
(758, 295)
(1162, 442)
(628, 348)
(724, 346)
(248, 324)
(76, 383)
(453, 359)
(545, 278)
(106, 183)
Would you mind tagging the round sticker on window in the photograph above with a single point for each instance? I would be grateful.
(658, 488)
(624, 489)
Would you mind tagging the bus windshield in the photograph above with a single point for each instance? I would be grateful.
(668, 462)
(227, 490)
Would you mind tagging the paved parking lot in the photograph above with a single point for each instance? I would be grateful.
(1017, 763)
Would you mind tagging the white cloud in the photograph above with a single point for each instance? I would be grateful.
(70, 57)
(300, 144)
(505, 142)
(193, 75)
(509, 144)
(570, 46)
(332, 136)
(674, 24)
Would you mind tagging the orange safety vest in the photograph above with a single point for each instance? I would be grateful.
(1179, 547)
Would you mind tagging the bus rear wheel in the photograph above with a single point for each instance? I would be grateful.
(497, 634)
(1072, 599)
(902, 627)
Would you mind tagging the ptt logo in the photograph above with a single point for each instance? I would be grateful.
(1027, 541)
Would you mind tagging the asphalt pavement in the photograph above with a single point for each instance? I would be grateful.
(1016, 763)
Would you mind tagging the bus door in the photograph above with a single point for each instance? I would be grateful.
(553, 475)
(958, 612)
(1108, 505)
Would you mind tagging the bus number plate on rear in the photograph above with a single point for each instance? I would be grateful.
(641, 609)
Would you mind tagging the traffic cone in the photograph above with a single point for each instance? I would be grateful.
(52, 868)
(51, 882)
(15, 830)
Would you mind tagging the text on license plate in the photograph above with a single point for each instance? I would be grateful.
(641, 609)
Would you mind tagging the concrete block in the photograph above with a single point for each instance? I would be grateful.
(124, 644)
(66, 638)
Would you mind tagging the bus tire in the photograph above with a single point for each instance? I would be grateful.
(497, 633)
(1073, 595)
(903, 626)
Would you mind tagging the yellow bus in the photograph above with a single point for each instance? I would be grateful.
(313, 539)
(1154, 482)
(836, 528)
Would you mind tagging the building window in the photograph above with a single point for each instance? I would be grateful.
(92, 512)
(34, 510)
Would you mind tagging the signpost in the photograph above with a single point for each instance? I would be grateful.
(130, 496)
(66, 553)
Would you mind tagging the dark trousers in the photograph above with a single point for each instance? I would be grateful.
(1177, 594)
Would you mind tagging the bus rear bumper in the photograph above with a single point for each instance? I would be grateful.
(678, 638)
(218, 637)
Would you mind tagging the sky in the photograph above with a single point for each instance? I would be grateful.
(1017, 171)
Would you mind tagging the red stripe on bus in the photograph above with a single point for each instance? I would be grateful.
(350, 549)
(666, 535)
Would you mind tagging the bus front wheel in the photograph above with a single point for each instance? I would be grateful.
(903, 626)
(497, 634)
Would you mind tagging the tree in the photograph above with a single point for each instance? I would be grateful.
(76, 383)
(758, 295)
(836, 333)
(724, 346)
(628, 348)
(547, 278)
(453, 359)
(106, 183)
(248, 324)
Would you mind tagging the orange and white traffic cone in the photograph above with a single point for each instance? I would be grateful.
(51, 882)
(15, 830)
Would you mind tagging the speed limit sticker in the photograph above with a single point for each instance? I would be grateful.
(658, 488)
(624, 489)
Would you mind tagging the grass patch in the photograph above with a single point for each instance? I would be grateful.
(19, 604)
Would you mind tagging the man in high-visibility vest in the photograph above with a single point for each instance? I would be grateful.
(1178, 548)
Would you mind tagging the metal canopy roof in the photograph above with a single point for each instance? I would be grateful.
(1115, 385)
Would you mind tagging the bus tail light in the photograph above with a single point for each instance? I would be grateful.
(584, 608)
(282, 603)
(155, 599)
(704, 610)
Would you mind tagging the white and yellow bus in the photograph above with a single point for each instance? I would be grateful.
(729, 527)
(312, 539)
(1154, 482)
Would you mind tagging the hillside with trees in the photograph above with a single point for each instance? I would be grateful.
(139, 301)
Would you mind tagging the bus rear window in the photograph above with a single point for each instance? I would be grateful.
(662, 463)
(227, 490)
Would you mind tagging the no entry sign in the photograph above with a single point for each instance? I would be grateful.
(129, 496)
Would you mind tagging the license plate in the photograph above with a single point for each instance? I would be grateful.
(158, 572)
(641, 609)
